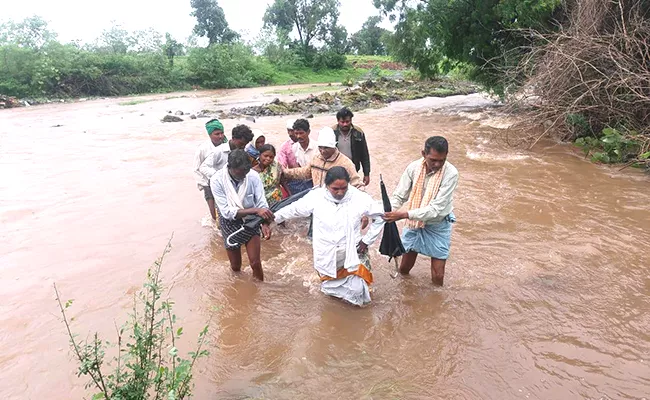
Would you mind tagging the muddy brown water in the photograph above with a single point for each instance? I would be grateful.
(546, 295)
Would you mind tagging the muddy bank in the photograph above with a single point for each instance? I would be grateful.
(369, 94)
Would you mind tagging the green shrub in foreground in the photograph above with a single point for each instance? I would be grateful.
(147, 365)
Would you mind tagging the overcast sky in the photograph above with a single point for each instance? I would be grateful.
(85, 20)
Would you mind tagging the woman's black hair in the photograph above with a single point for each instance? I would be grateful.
(267, 147)
(336, 173)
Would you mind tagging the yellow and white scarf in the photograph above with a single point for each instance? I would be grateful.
(416, 199)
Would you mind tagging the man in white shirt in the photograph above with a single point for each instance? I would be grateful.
(304, 149)
(216, 135)
(239, 192)
(427, 188)
(241, 136)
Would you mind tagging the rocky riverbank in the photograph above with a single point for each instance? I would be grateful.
(11, 102)
(368, 94)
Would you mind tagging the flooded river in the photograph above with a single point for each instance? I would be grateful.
(547, 294)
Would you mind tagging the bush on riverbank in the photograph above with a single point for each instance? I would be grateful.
(147, 364)
(63, 71)
(68, 71)
(590, 82)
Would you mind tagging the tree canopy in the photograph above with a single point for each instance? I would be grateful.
(431, 35)
(371, 39)
(32, 32)
(311, 19)
(211, 22)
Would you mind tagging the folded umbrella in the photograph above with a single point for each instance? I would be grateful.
(254, 221)
(391, 243)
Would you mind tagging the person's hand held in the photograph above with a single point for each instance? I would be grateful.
(362, 247)
(266, 214)
(266, 232)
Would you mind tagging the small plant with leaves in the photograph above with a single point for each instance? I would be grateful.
(147, 365)
(616, 146)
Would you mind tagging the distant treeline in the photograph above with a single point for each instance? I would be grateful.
(33, 63)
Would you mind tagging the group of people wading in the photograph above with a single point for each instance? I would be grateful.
(245, 176)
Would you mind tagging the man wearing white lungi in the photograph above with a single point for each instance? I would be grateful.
(427, 188)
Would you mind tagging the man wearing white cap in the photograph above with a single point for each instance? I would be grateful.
(329, 156)
(286, 157)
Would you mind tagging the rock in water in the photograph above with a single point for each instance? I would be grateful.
(192, 116)
(179, 113)
(322, 108)
(252, 119)
(308, 116)
(171, 118)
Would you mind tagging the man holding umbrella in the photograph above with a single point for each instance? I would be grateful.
(239, 192)
(427, 188)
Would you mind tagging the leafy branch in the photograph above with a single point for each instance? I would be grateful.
(148, 365)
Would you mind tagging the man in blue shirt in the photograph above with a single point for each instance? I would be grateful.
(238, 191)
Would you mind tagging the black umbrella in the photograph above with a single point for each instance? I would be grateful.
(391, 244)
(254, 221)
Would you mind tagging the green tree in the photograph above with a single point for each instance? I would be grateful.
(433, 35)
(312, 20)
(31, 32)
(172, 48)
(146, 41)
(370, 39)
(115, 40)
(211, 22)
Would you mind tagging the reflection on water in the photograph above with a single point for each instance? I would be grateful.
(546, 295)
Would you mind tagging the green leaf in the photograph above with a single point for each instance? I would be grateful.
(644, 156)
(610, 139)
(610, 132)
(98, 396)
(68, 303)
(179, 331)
(602, 157)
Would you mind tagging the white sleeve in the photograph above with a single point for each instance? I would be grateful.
(260, 196)
(298, 209)
(220, 200)
(207, 167)
(375, 210)
(197, 165)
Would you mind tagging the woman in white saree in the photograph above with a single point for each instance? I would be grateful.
(340, 253)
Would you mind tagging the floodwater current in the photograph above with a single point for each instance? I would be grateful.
(547, 292)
